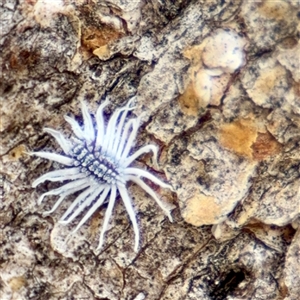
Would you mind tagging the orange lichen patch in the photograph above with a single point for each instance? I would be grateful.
(264, 146)
(95, 223)
(203, 90)
(239, 136)
(283, 289)
(277, 10)
(288, 43)
(102, 52)
(201, 210)
(296, 89)
(22, 59)
(189, 102)
(31, 2)
(16, 153)
(198, 91)
(192, 100)
(17, 282)
(93, 37)
(194, 53)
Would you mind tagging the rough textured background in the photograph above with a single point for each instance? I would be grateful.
(218, 83)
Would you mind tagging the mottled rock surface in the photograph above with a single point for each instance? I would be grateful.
(217, 88)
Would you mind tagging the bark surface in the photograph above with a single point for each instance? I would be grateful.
(217, 87)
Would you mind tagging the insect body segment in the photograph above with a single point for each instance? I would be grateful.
(98, 166)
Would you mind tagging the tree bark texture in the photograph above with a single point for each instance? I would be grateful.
(217, 89)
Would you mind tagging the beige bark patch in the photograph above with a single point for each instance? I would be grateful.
(277, 10)
(269, 79)
(201, 210)
(45, 11)
(17, 282)
(292, 268)
(289, 58)
(212, 63)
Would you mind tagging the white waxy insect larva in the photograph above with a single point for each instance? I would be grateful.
(97, 163)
